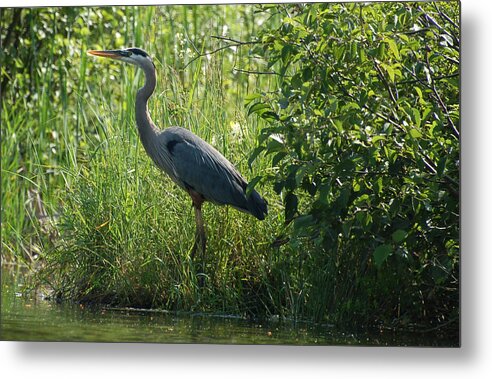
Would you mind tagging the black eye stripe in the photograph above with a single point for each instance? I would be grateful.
(138, 52)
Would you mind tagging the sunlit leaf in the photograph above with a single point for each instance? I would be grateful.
(414, 133)
(394, 48)
(258, 108)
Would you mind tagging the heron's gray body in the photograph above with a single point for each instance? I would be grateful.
(195, 165)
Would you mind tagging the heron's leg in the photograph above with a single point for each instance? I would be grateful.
(200, 237)
(200, 243)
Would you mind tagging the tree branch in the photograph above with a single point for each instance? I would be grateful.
(431, 21)
(436, 78)
(234, 43)
(443, 106)
(255, 72)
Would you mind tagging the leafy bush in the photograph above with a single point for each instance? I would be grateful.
(364, 143)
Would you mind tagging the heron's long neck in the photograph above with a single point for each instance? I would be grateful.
(146, 127)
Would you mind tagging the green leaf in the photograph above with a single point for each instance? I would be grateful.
(394, 48)
(441, 165)
(332, 108)
(258, 108)
(426, 114)
(283, 102)
(278, 157)
(414, 133)
(399, 235)
(254, 154)
(362, 55)
(364, 218)
(343, 198)
(251, 185)
(278, 187)
(290, 203)
(300, 174)
(416, 117)
(304, 221)
(307, 74)
(249, 98)
(269, 116)
(378, 185)
(286, 52)
(390, 71)
(274, 145)
(338, 125)
(376, 139)
(381, 51)
(324, 194)
(381, 253)
(296, 81)
(362, 200)
(356, 186)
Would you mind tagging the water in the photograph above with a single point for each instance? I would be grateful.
(32, 318)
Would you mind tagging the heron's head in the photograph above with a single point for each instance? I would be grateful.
(132, 55)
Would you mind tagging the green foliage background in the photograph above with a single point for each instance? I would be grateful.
(364, 140)
(346, 116)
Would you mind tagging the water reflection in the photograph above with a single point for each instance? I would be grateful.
(35, 319)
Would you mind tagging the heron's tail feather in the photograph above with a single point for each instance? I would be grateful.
(257, 206)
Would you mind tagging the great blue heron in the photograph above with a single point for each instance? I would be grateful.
(190, 162)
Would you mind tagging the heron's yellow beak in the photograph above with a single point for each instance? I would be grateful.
(114, 54)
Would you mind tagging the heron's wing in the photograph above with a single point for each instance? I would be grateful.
(198, 166)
